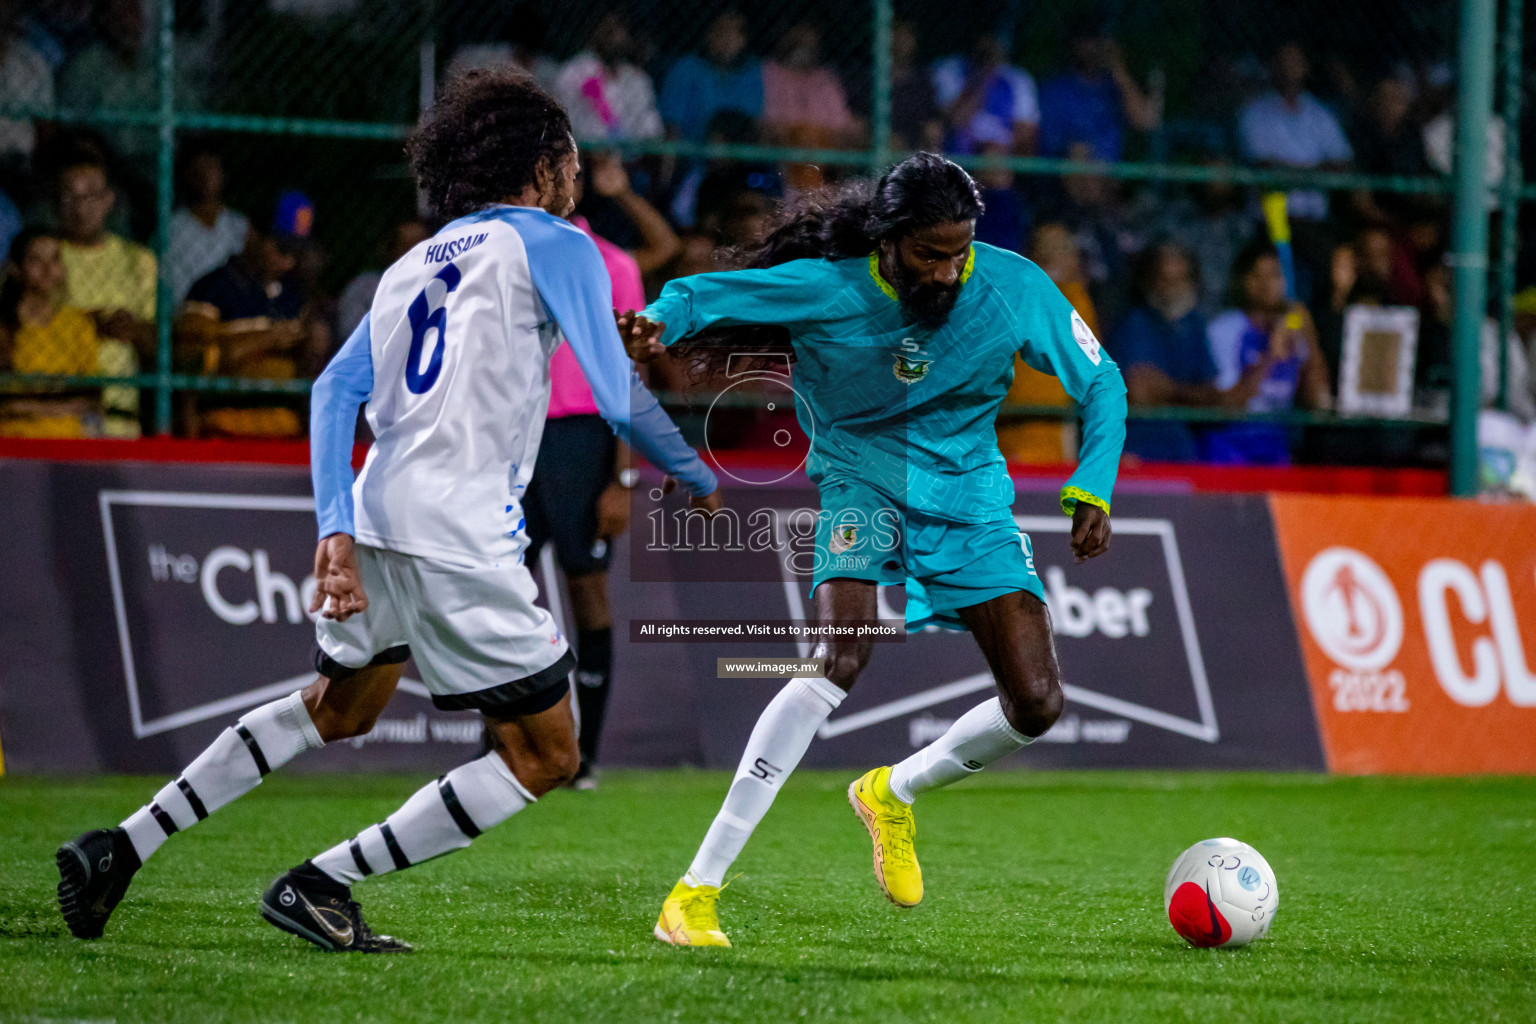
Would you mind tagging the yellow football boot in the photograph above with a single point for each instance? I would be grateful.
(688, 917)
(893, 831)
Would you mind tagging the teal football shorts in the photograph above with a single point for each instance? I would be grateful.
(862, 534)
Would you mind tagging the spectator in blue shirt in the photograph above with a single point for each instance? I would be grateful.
(1161, 347)
(1288, 127)
(990, 104)
(1094, 101)
(1267, 360)
(724, 77)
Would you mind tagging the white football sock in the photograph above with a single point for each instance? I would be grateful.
(439, 818)
(264, 740)
(778, 741)
(978, 737)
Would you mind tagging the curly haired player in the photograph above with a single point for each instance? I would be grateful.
(423, 554)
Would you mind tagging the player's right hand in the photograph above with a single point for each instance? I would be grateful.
(337, 578)
(711, 503)
(642, 338)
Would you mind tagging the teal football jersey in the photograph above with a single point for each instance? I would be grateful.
(909, 410)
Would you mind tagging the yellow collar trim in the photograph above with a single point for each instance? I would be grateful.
(874, 272)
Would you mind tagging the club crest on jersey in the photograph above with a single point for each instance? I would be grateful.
(843, 538)
(910, 369)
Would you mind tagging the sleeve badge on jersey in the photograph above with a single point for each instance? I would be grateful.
(1085, 339)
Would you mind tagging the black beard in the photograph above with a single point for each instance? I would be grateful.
(927, 306)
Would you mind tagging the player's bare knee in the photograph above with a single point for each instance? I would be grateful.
(542, 770)
(844, 664)
(1035, 707)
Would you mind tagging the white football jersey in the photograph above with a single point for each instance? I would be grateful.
(453, 361)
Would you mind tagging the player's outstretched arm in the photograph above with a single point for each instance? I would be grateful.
(339, 392)
(568, 272)
(790, 293)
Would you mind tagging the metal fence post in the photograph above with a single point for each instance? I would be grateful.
(880, 151)
(1469, 236)
(164, 196)
(1509, 192)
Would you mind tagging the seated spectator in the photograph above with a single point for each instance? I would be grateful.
(111, 278)
(1289, 128)
(803, 100)
(518, 44)
(357, 297)
(1433, 371)
(1267, 360)
(204, 232)
(1094, 100)
(1089, 204)
(39, 333)
(1439, 136)
(985, 100)
(606, 94)
(804, 103)
(26, 80)
(915, 118)
(1161, 349)
(121, 72)
(1050, 440)
(724, 77)
(246, 319)
(1388, 141)
(1210, 221)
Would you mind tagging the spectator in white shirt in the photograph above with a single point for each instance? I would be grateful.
(607, 95)
(1290, 128)
(204, 232)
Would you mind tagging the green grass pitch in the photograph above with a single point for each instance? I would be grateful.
(1401, 900)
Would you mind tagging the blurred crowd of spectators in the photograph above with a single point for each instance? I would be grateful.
(1179, 281)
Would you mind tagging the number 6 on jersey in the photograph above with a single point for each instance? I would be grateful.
(429, 310)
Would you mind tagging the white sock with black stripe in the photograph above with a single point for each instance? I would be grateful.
(264, 740)
(978, 737)
(439, 818)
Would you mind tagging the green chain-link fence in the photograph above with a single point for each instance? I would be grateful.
(1122, 125)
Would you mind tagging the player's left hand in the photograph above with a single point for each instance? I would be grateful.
(641, 337)
(1090, 531)
(612, 511)
(337, 578)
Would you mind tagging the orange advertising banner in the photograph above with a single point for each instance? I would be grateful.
(1417, 620)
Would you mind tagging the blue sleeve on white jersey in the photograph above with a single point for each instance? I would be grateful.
(570, 277)
(340, 391)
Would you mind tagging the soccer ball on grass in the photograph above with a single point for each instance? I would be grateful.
(1221, 892)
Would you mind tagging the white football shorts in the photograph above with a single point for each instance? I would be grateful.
(477, 637)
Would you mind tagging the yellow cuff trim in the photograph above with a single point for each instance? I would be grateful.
(874, 272)
(1070, 496)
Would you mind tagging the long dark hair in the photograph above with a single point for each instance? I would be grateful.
(839, 222)
(11, 286)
